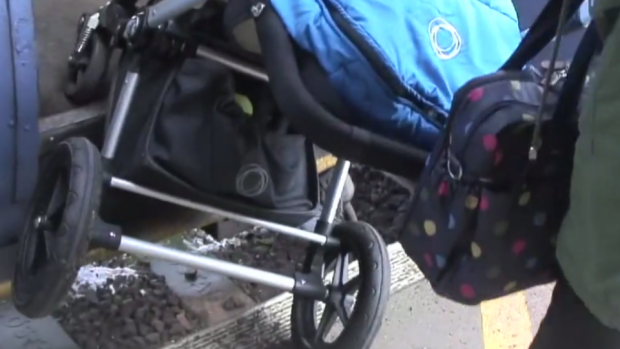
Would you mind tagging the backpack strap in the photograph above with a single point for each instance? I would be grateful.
(540, 34)
(570, 94)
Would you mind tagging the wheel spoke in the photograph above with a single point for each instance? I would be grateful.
(48, 240)
(57, 201)
(349, 302)
(343, 312)
(54, 217)
(328, 319)
(352, 285)
(50, 222)
(341, 271)
(41, 250)
(344, 308)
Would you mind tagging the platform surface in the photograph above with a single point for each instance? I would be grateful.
(418, 319)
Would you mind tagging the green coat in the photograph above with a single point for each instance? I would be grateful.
(589, 243)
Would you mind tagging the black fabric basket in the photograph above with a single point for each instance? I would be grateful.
(185, 135)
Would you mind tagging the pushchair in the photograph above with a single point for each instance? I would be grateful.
(67, 199)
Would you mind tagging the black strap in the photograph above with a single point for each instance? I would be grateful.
(570, 95)
(540, 34)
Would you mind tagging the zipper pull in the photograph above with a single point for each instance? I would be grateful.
(533, 153)
(257, 9)
(535, 146)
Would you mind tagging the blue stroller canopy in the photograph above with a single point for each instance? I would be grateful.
(397, 63)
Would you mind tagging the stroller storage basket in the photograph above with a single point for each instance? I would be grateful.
(193, 140)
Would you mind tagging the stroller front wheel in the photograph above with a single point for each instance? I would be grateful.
(60, 221)
(358, 303)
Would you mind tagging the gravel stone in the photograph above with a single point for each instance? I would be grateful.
(130, 318)
(153, 338)
(140, 312)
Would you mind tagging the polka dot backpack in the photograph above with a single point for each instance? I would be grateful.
(495, 189)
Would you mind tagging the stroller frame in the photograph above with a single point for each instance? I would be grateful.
(158, 15)
(332, 245)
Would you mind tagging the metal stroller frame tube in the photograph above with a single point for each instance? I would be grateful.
(280, 228)
(166, 10)
(334, 191)
(120, 115)
(234, 64)
(237, 271)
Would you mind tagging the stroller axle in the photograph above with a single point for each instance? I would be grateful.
(307, 288)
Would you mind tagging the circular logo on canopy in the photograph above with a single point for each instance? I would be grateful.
(445, 40)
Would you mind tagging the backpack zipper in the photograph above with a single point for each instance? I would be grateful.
(486, 114)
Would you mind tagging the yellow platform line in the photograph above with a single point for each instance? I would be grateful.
(506, 323)
(5, 290)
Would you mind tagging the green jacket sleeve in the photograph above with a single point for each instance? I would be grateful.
(589, 242)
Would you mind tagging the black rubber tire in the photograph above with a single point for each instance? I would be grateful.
(37, 293)
(91, 85)
(369, 249)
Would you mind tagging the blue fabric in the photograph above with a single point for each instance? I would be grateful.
(401, 32)
(19, 102)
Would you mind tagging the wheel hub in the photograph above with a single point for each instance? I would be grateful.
(339, 297)
(359, 301)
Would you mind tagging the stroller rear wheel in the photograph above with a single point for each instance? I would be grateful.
(358, 303)
(88, 65)
(60, 221)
